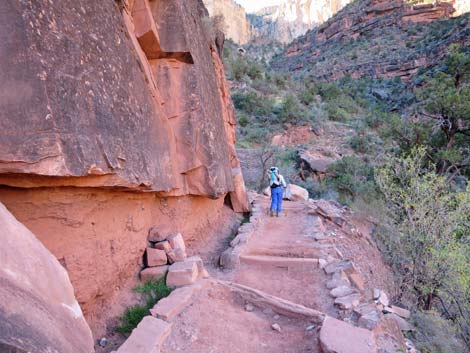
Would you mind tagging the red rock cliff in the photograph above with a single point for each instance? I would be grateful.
(375, 38)
(114, 117)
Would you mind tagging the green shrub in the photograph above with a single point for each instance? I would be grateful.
(352, 178)
(306, 96)
(363, 142)
(336, 113)
(243, 120)
(435, 334)
(151, 292)
(292, 110)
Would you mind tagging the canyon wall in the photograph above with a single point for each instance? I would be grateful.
(293, 18)
(377, 38)
(231, 19)
(115, 117)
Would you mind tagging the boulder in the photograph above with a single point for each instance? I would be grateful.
(167, 308)
(153, 273)
(38, 309)
(401, 322)
(388, 335)
(267, 191)
(369, 320)
(182, 274)
(331, 211)
(177, 241)
(364, 309)
(296, 193)
(164, 245)
(317, 162)
(156, 234)
(337, 336)
(348, 302)
(357, 280)
(198, 261)
(230, 258)
(339, 279)
(155, 257)
(343, 265)
(341, 291)
(147, 337)
(176, 255)
(398, 311)
(383, 299)
(322, 263)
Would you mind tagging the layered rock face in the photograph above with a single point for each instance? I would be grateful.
(38, 309)
(293, 18)
(115, 117)
(376, 38)
(231, 19)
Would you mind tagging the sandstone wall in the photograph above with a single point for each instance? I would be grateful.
(114, 117)
(231, 18)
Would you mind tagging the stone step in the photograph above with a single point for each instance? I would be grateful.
(277, 261)
(147, 337)
(169, 307)
(278, 305)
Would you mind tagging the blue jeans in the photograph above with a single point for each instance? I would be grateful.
(276, 199)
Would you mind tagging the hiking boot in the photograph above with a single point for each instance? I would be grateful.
(271, 213)
(277, 214)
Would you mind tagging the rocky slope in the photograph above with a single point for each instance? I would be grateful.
(293, 18)
(231, 18)
(115, 117)
(377, 38)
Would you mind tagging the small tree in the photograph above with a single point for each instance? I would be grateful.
(445, 99)
(430, 241)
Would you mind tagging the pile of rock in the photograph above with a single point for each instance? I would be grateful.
(167, 254)
(346, 284)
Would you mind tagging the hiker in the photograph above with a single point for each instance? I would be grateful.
(277, 184)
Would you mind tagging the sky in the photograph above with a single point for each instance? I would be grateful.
(254, 5)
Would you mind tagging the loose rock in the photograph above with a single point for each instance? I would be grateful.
(164, 245)
(341, 291)
(155, 235)
(337, 336)
(182, 274)
(276, 327)
(153, 273)
(349, 302)
(155, 257)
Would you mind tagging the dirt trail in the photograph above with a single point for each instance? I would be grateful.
(220, 321)
(274, 291)
(289, 236)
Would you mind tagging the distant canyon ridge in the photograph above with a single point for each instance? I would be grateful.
(285, 22)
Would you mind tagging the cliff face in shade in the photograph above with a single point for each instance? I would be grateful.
(114, 118)
(377, 38)
(231, 19)
(293, 18)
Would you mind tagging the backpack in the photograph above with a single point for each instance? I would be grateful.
(275, 181)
